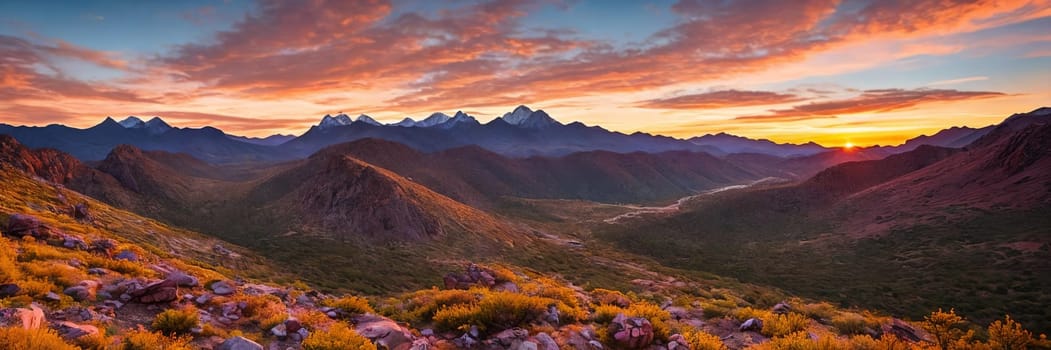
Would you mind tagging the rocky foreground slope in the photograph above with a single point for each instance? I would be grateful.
(77, 273)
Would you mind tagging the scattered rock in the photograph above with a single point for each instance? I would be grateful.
(203, 299)
(163, 291)
(678, 342)
(239, 343)
(71, 331)
(904, 331)
(223, 288)
(751, 324)
(102, 246)
(546, 342)
(279, 331)
(31, 318)
(782, 308)
(83, 291)
(219, 249)
(551, 316)
(383, 331)
(475, 275)
(631, 333)
(52, 296)
(293, 325)
(20, 225)
(511, 338)
(97, 271)
(127, 255)
(74, 242)
(182, 279)
(81, 212)
(9, 290)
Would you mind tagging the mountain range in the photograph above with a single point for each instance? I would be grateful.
(520, 133)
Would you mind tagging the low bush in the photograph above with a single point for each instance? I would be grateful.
(849, 323)
(176, 321)
(699, 340)
(496, 311)
(783, 325)
(142, 339)
(601, 296)
(17, 338)
(818, 311)
(350, 304)
(424, 304)
(337, 337)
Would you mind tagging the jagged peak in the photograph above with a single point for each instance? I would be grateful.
(132, 122)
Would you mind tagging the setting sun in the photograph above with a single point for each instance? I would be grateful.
(848, 146)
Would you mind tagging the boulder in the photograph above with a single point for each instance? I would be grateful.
(81, 212)
(678, 342)
(511, 338)
(751, 324)
(631, 332)
(904, 331)
(20, 225)
(97, 271)
(223, 288)
(164, 291)
(383, 331)
(782, 308)
(31, 318)
(279, 331)
(475, 275)
(72, 331)
(127, 255)
(9, 290)
(102, 246)
(546, 342)
(74, 242)
(239, 343)
(83, 291)
(182, 279)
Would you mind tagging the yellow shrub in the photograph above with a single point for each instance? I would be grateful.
(313, 319)
(17, 338)
(946, 327)
(496, 311)
(8, 269)
(93, 342)
(717, 308)
(1009, 335)
(699, 340)
(782, 325)
(849, 323)
(886, 342)
(425, 303)
(142, 339)
(350, 304)
(609, 297)
(604, 314)
(337, 337)
(267, 310)
(802, 341)
(176, 321)
(37, 288)
(60, 274)
(568, 304)
(818, 311)
(657, 316)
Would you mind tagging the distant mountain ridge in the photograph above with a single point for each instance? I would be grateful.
(523, 132)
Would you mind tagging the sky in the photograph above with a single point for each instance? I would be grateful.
(864, 72)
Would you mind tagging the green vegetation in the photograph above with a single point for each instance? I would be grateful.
(17, 338)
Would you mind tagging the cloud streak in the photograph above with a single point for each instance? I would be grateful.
(720, 99)
(870, 101)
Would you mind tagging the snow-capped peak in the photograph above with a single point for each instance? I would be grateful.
(339, 120)
(434, 119)
(132, 122)
(538, 119)
(367, 120)
(519, 115)
(407, 122)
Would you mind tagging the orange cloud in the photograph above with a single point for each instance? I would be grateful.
(883, 100)
(720, 99)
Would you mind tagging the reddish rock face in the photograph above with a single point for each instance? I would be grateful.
(19, 225)
(157, 292)
(631, 333)
(49, 164)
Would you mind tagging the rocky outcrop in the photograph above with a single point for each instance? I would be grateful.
(163, 291)
(631, 332)
(384, 332)
(474, 276)
(20, 225)
(239, 343)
